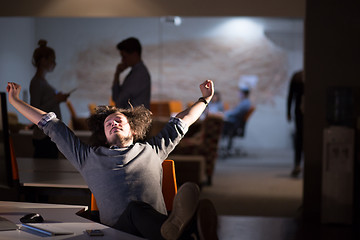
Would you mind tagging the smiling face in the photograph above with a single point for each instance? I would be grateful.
(117, 130)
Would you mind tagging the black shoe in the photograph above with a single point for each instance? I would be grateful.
(296, 172)
(184, 207)
(207, 220)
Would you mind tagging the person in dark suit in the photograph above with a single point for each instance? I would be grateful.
(295, 98)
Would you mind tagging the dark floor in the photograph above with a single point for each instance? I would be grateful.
(257, 183)
(257, 199)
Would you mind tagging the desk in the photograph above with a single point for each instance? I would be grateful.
(64, 216)
(230, 227)
(61, 216)
(189, 168)
(23, 144)
(52, 181)
(55, 173)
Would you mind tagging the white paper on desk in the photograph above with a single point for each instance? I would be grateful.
(48, 229)
(6, 225)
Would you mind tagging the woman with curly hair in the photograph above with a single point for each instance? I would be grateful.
(124, 171)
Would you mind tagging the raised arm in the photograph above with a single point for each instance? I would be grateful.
(191, 114)
(30, 112)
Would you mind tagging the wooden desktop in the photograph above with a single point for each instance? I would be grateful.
(63, 217)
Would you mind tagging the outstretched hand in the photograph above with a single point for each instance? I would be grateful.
(28, 111)
(192, 113)
(207, 89)
(13, 90)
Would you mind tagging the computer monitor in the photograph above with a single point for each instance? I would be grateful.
(5, 156)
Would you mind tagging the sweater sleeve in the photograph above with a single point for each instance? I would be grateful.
(66, 141)
(169, 137)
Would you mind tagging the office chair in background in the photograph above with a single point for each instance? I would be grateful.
(237, 130)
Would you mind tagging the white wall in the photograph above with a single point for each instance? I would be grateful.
(16, 46)
(192, 52)
(93, 39)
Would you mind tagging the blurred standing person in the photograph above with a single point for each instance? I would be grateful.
(295, 95)
(44, 96)
(136, 87)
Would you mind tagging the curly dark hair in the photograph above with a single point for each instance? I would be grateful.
(139, 119)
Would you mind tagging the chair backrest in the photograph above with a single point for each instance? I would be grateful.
(160, 108)
(239, 127)
(76, 123)
(12, 192)
(14, 166)
(71, 109)
(169, 187)
(7, 172)
(248, 114)
(212, 129)
(175, 106)
(9, 176)
(111, 102)
(92, 107)
(246, 119)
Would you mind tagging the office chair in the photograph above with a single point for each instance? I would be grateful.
(92, 108)
(237, 130)
(14, 166)
(169, 189)
(12, 192)
(169, 185)
(77, 123)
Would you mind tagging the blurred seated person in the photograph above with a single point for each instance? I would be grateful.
(233, 117)
(216, 105)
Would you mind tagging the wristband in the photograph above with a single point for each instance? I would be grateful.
(202, 99)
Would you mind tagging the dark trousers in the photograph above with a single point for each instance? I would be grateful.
(230, 130)
(45, 148)
(298, 143)
(142, 220)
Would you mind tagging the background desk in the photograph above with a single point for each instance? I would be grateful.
(62, 216)
(23, 144)
(38, 172)
(52, 181)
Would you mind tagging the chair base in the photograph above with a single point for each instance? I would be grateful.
(226, 149)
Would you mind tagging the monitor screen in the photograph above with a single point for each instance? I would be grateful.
(5, 158)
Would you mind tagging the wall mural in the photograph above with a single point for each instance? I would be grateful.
(176, 67)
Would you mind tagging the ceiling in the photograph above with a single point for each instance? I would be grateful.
(147, 8)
